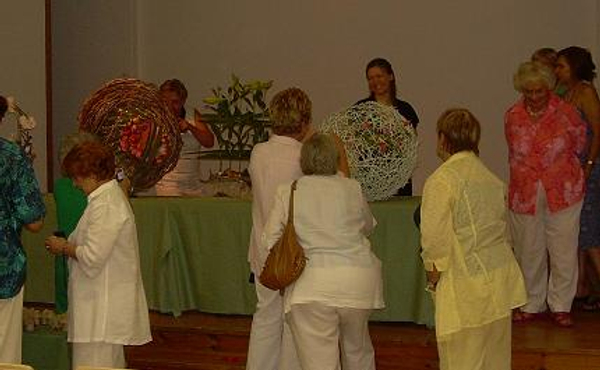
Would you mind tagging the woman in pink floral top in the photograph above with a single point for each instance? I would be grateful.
(545, 136)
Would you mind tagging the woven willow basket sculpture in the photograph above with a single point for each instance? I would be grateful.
(129, 116)
(381, 146)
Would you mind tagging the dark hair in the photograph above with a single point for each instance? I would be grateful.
(580, 61)
(3, 106)
(90, 159)
(177, 87)
(386, 66)
(461, 130)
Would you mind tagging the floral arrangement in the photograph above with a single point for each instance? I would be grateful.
(34, 318)
(129, 116)
(25, 123)
(381, 146)
(134, 137)
(239, 118)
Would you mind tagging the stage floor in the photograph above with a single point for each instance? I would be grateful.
(207, 341)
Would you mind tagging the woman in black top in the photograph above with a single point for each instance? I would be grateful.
(382, 88)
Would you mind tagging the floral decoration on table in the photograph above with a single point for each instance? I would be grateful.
(129, 116)
(25, 123)
(381, 146)
(238, 117)
(34, 318)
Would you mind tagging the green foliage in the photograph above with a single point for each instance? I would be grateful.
(239, 117)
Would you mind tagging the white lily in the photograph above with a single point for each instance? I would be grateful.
(27, 122)
(10, 100)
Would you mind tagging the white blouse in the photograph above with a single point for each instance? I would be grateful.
(332, 220)
(272, 163)
(184, 178)
(464, 234)
(107, 302)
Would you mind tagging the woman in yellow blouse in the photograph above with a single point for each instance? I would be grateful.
(466, 253)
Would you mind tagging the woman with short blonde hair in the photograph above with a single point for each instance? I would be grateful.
(290, 111)
(461, 130)
(466, 253)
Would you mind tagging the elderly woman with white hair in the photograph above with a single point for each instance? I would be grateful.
(328, 307)
(545, 137)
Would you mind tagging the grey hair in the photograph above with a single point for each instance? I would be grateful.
(69, 141)
(529, 72)
(319, 155)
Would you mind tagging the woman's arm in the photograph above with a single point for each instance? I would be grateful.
(199, 129)
(437, 231)
(590, 107)
(275, 222)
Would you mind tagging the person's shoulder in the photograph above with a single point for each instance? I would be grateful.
(13, 160)
(403, 104)
(367, 99)
(407, 111)
(259, 149)
(10, 149)
(587, 92)
(63, 184)
(516, 108)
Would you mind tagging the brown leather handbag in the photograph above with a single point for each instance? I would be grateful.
(286, 258)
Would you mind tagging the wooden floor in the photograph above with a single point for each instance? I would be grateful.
(198, 341)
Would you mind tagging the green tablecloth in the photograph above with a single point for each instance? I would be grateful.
(194, 256)
(46, 350)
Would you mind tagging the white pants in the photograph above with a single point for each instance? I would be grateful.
(542, 236)
(99, 354)
(321, 331)
(271, 345)
(11, 328)
(486, 347)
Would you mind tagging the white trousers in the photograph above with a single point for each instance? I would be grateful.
(11, 328)
(271, 345)
(321, 331)
(487, 347)
(98, 354)
(547, 241)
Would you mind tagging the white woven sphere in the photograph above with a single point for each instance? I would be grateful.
(381, 146)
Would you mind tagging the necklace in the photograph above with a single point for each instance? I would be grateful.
(535, 114)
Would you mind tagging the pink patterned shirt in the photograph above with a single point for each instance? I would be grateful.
(545, 151)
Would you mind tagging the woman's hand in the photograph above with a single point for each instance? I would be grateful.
(432, 279)
(184, 126)
(59, 246)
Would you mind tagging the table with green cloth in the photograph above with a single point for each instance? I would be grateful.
(45, 349)
(193, 255)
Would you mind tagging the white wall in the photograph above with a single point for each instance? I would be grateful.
(446, 53)
(24, 69)
(93, 42)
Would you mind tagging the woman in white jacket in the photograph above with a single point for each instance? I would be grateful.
(107, 303)
(469, 262)
(328, 307)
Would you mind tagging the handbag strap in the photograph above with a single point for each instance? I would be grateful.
(291, 207)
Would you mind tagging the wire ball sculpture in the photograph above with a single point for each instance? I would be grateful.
(381, 146)
(129, 116)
